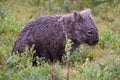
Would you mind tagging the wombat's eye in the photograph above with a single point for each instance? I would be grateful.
(89, 33)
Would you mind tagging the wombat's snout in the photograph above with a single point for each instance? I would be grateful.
(94, 42)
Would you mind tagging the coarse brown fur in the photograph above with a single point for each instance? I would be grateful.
(48, 34)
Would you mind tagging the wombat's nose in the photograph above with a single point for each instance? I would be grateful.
(97, 40)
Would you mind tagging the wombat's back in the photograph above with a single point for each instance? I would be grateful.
(34, 30)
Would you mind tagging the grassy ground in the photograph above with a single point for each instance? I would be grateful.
(101, 62)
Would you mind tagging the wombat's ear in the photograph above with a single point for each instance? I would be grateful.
(76, 16)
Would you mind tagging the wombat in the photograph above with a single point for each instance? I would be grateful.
(48, 34)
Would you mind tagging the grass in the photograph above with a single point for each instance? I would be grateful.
(101, 62)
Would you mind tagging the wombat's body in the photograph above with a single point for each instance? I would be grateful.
(48, 34)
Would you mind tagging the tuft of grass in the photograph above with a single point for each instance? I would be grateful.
(105, 68)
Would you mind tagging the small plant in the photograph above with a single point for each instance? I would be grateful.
(106, 68)
(19, 67)
(9, 25)
(67, 49)
(80, 57)
(57, 72)
(4, 11)
(107, 39)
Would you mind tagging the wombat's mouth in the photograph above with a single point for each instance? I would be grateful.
(92, 43)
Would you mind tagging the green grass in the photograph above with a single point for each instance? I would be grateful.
(101, 62)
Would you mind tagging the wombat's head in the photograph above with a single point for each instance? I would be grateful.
(86, 29)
